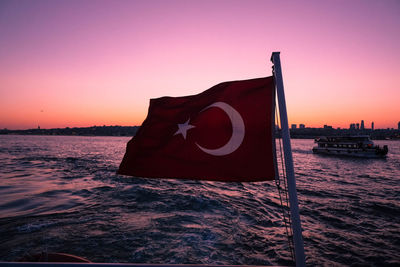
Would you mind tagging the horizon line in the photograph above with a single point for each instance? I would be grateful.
(327, 127)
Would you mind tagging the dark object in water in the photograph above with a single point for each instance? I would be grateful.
(52, 257)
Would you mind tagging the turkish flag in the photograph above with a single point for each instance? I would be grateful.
(225, 133)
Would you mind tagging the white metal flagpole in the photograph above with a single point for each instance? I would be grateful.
(294, 205)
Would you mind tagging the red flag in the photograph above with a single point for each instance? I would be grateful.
(225, 133)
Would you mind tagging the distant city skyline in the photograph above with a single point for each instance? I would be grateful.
(301, 132)
(356, 126)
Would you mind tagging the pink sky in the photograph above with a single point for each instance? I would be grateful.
(84, 63)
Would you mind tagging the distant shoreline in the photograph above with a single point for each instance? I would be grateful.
(78, 131)
(299, 133)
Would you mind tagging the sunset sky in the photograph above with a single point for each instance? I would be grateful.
(85, 63)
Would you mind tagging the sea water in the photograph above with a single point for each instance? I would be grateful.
(62, 194)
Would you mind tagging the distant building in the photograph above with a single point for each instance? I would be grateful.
(357, 126)
(352, 126)
(372, 125)
(302, 126)
(398, 126)
(362, 124)
(328, 127)
(294, 126)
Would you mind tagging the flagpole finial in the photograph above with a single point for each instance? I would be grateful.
(274, 53)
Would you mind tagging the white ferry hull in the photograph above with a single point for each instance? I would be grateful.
(361, 153)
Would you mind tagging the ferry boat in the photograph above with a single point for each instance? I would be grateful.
(354, 146)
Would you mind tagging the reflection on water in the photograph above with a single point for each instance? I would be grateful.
(61, 194)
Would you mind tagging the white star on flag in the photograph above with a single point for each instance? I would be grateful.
(183, 128)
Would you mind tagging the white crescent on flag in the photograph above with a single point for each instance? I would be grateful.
(238, 131)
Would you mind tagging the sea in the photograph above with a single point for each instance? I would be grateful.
(62, 194)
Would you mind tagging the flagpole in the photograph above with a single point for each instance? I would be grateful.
(294, 205)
